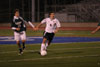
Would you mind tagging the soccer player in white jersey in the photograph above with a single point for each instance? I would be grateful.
(52, 27)
(19, 27)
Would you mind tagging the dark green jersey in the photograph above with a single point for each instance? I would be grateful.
(18, 22)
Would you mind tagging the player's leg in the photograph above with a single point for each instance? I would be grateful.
(17, 38)
(23, 38)
(51, 36)
(48, 43)
(19, 46)
(45, 38)
(23, 43)
(43, 44)
(95, 30)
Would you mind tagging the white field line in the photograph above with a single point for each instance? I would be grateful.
(51, 49)
(35, 59)
(65, 33)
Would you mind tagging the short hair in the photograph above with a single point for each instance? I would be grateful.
(50, 13)
(16, 10)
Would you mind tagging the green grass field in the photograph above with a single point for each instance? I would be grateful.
(59, 55)
(29, 32)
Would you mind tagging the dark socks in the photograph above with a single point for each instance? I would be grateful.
(23, 45)
(20, 50)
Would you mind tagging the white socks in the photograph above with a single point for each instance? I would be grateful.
(43, 47)
(46, 45)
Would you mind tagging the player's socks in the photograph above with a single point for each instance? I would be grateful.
(23, 45)
(20, 51)
(46, 46)
(42, 47)
(19, 45)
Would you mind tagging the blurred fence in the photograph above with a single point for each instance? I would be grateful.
(65, 10)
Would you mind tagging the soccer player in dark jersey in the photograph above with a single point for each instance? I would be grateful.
(19, 27)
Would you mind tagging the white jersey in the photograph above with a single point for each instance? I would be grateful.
(51, 25)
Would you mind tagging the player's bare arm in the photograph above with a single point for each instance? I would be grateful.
(56, 30)
(94, 31)
(39, 25)
(17, 29)
(13, 28)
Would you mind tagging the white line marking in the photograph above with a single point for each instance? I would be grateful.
(65, 33)
(50, 58)
(50, 49)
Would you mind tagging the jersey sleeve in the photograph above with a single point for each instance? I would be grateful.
(13, 26)
(15, 20)
(31, 24)
(43, 21)
(23, 20)
(58, 23)
(27, 22)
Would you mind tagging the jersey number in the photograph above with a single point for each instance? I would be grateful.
(50, 25)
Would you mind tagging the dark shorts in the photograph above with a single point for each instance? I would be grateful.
(48, 36)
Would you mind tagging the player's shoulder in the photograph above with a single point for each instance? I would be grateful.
(47, 18)
(56, 19)
(18, 17)
(15, 17)
(21, 18)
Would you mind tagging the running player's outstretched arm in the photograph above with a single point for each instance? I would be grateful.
(94, 31)
(56, 30)
(58, 26)
(39, 25)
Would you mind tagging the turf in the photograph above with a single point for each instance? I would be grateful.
(30, 32)
(59, 55)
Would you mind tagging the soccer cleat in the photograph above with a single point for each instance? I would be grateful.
(24, 47)
(20, 52)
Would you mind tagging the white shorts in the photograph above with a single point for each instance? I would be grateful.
(20, 36)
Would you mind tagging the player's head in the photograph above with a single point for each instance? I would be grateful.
(17, 13)
(52, 15)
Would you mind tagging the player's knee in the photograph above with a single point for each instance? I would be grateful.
(44, 41)
(17, 42)
(49, 42)
(23, 40)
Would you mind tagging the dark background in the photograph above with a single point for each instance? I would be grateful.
(7, 8)
(83, 10)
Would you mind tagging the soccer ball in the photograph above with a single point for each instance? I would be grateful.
(43, 53)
